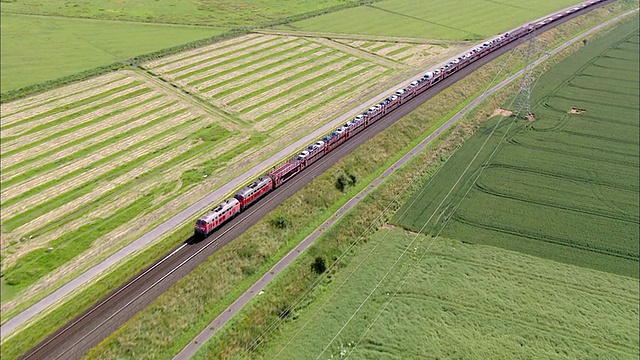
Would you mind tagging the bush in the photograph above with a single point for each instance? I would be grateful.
(319, 266)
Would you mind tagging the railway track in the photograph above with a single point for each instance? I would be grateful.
(75, 338)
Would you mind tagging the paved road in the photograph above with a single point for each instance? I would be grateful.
(75, 338)
(255, 289)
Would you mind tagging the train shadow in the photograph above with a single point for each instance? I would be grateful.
(194, 240)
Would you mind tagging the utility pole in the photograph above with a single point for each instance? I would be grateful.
(522, 103)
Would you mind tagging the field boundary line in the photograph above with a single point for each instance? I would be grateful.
(375, 58)
(329, 35)
(191, 98)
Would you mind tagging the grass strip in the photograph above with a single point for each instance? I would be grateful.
(398, 51)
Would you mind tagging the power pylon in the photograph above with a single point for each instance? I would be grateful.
(522, 103)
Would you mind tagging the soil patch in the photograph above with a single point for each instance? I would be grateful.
(501, 112)
(576, 111)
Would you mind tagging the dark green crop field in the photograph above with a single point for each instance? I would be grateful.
(563, 187)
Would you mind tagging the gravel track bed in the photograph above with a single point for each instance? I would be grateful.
(205, 50)
(18, 128)
(227, 51)
(250, 51)
(239, 73)
(7, 175)
(54, 98)
(20, 188)
(320, 59)
(288, 97)
(27, 138)
(284, 88)
(93, 174)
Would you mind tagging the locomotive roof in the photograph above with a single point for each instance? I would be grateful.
(258, 184)
(225, 205)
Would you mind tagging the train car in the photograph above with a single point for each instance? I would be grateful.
(254, 191)
(216, 217)
(284, 172)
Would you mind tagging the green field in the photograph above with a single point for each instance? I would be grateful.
(224, 13)
(38, 48)
(47, 40)
(471, 20)
(563, 187)
(446, 299)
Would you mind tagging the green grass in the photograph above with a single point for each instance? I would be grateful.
(460, 301)
(225, 13)
(36, 49)
(472, 19)
(564, 187)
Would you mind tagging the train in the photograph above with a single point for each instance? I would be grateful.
(286, 170)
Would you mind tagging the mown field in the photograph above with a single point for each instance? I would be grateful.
(284, 84)
(92, 161)
(447, 299)
(563, 187)
(442, 19)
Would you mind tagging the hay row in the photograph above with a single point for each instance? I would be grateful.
(240, 73)
(342, 60)
(255, 81)
(210, 68)
(30, 125)
(89, 141)
(93, 174)
(55, 98)
(311, 121)
(219, 51)
(9, 192)
(250, 53)
(257, 85)
(87, 199)
(286, 96)
(205, 50)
